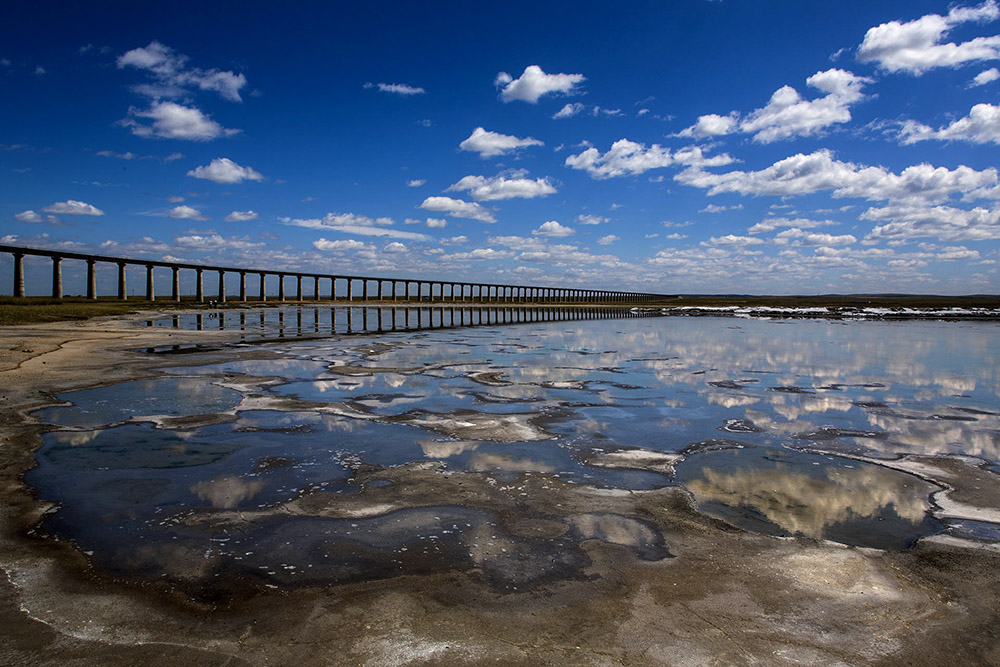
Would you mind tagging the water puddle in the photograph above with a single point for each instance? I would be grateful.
(292, 463)
(169, 397)
(787, 493)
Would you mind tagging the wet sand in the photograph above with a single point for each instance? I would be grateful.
(648, 579)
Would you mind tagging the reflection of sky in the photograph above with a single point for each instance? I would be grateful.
(284, 368)
(806, 495)
(120, 402)
(666, 382)
(660, 384)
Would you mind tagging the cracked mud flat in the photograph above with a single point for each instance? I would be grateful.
(617, 492)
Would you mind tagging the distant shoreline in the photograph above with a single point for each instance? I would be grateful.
(35, 310)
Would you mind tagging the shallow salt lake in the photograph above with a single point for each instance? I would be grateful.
(775, 426)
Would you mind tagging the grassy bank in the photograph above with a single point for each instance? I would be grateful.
(37, 310)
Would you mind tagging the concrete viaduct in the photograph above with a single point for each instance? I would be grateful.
(365, 288)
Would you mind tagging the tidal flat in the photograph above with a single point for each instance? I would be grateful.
(370, 487)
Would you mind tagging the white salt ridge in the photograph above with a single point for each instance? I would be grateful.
(849, 312)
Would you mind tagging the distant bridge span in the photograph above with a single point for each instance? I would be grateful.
(456, 292)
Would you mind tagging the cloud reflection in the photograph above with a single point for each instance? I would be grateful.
(809, 505)
(227, 491)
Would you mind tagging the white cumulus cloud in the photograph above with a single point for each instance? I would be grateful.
(224, 170)
(534, 83)
(819, 171)
(172, 77)
(186, 213)
(174, 121)
(342, 245)
(715, 208)
(770, 224)
(986, 76)
(397, 88)
(209, 242)
(542, 251)
(796, 236)
(981, 126)
(491, 144)
(916, 46)
(241, 216)
(350, 223)
(28, 216)
(569, 110)
(500, 187)
(624, 158)
(457, 208)
(553, 229)
(479, 254)
(72, 207)
(711, 125)
(128, 155)
(608, 240)
(947, 223)
(733, 240)
(787, 114)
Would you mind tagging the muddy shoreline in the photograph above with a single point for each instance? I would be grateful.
(708, 593)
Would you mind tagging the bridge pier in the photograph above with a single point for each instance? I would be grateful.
(122, 293)
(91, 279)
(150, 291)
(57, 277)
(175, 283)
(222, 286)
(19, 275)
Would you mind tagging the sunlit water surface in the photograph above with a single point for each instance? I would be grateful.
(766, 418)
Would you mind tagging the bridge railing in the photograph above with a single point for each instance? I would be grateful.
(356, 288)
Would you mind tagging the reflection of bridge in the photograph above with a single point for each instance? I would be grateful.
(426, 290)
(308, 320)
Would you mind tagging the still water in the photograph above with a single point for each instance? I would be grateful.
(764, 422)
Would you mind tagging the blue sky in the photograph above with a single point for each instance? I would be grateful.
(690, 146)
